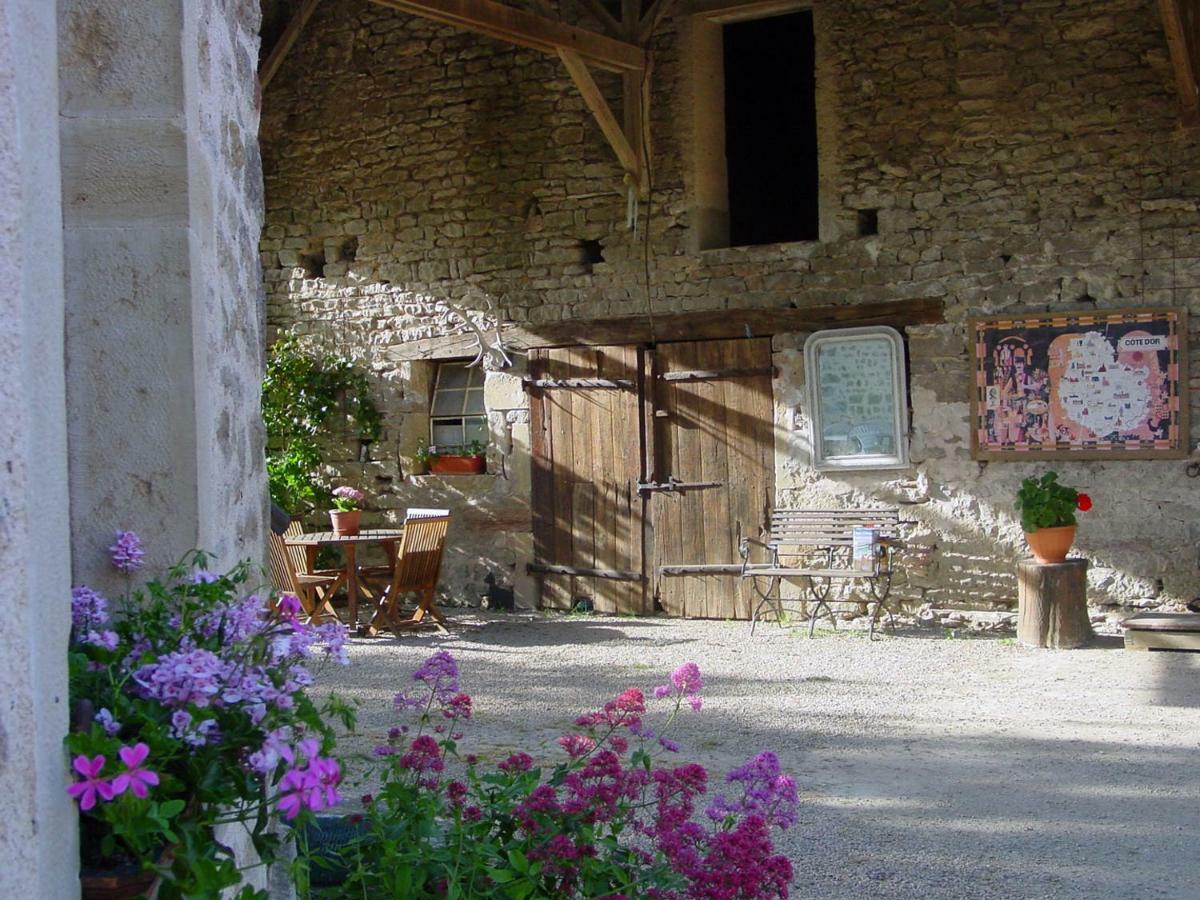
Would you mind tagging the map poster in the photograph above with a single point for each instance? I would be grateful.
(1106, 384)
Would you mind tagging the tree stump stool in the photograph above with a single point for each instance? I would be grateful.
(1052, 604)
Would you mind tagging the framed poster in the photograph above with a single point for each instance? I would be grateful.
(1107, 384)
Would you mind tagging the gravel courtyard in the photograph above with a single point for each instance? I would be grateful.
(929, 765)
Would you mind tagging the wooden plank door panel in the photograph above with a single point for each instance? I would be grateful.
(716, 429)
(587, 461)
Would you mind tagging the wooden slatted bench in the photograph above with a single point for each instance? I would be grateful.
(818, 546)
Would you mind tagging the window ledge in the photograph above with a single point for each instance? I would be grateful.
(434, 477)
(758, 252)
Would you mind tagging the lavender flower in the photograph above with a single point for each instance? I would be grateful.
(106, 640)
(105, 718)
(126, 552)
(88, 608)
(765, 793)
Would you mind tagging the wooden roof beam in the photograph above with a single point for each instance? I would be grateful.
(495, 20)
(286, 41)
(1181, 22)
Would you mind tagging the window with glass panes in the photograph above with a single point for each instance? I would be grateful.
(456, 415)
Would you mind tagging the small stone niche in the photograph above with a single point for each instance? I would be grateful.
(868, 222)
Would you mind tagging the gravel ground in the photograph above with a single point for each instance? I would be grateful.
(929, 766)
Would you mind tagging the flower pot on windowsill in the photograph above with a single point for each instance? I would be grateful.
(449, 464)
(345, 522)
(1051, 545)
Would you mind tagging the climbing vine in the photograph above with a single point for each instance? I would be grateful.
(305, 396)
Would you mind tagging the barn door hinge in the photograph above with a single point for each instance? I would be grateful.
(674, 486)
(578, 384)
(717, 374)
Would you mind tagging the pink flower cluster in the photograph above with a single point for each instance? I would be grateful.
(135, 777)
(686, 683)
(565, 819)
(345, 492)
(310, 781)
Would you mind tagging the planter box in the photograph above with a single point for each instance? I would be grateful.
(457, 465)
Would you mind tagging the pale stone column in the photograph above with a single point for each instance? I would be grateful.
(38, 843)
(162, 207)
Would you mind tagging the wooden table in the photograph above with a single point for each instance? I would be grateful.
(348, 543)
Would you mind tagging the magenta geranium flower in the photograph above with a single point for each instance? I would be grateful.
(135, 778)
(92, 785)
(126, 552)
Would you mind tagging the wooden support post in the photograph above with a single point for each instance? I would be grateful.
(1181, 23)
(635, 96)
(599, 106)
(286, 41)
(1052, 604)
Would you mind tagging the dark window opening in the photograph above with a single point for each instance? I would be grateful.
(314, 264)
(771, 130)
(868, 222)
(348, 252)
(590, 253)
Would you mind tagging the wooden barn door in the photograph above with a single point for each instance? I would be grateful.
(714, 461)
(587, 513)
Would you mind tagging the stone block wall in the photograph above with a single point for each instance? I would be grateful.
(1018, 156)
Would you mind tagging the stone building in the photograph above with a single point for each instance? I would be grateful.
(972, 158)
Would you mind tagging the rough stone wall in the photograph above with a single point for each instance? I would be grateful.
(39, 830)
(1020, 156)
(225, 195)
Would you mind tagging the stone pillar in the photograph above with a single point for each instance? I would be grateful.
(38, 831)
(162, 196)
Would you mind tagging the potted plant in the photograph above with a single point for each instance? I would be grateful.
(1047, 511)
(189, 713)
(458, 459)
(345, 513)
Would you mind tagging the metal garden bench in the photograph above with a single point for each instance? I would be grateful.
(822, 546)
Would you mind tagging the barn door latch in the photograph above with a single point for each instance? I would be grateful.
(674, 486)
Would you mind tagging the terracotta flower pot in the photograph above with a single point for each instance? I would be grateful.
(448, 464)
(118, 883)
(1051, 545)
(345, 522)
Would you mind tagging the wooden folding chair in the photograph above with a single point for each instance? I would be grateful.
(313, 589)
(418, 565)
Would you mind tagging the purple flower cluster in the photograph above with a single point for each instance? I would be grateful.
(766, 793)
(126, 552)
(135, 777)
(439, 675)
(89, 609)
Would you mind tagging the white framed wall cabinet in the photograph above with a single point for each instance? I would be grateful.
(857, 398)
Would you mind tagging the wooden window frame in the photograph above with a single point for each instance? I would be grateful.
(461, 418)
(876, 461)
(707, 174)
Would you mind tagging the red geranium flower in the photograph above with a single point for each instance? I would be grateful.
(1083, 502)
